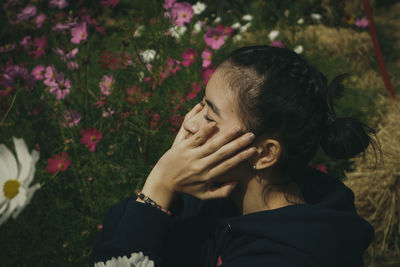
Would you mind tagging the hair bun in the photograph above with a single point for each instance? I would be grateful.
(344, 138)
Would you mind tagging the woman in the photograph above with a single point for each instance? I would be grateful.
(236, 200)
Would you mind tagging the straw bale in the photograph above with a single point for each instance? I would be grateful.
(376, 185)
(356, 46)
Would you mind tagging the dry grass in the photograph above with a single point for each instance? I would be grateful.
(377, 186)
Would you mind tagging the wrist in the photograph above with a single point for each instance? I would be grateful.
(158, 193)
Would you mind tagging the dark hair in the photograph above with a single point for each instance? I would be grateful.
(281, 95)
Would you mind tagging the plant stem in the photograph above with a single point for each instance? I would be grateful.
(12, 104)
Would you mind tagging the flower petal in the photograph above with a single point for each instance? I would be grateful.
(8, 164)
(5, 216)
(24, 158)
(3, 206)
(28, 179)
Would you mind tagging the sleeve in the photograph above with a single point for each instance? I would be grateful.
(134, 227)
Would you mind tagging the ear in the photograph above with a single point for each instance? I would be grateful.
(269, 152)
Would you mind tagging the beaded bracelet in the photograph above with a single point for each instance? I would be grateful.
(148, 200)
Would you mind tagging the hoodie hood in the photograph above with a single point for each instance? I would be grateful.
(326, 231)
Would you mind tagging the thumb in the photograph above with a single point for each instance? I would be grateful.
(222, 191)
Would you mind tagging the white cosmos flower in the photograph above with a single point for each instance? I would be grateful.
(197, 27)
(135, 260)
(245, 27)
(247, 17)
(286, 13)
(273, 34)
(148, 55)
(199, 7)
(177, 31)
(217, 20)
(237, 38)
(298, 49)
(15, 178)
(300, 21)
(316, 17)
(139, 31)
(236, 25)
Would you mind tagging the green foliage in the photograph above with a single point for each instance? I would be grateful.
(60, 224)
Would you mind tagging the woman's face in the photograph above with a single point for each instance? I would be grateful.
(219, 106)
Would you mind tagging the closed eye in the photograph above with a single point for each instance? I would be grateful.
(207, 118)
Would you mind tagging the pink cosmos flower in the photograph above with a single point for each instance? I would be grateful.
(155, 121)
(169, 3)
(28, 12)
(207, 57)
(175, 121)
(40, 20)
(90, 137)
(196, 88)
(61, 86)
(206, 73)
(40, 45)
(107, 113)
(226, 30)
(189, 57)
(136, 95)
(26, 42)
(182, 13)
(50, 75)
(214, 38)
(7, 48)
(10, 3)
(38, 72)
(59, 3)
(79, 33)
(106, 84)
(110, 3)
(362, 22)
(61, 27)
(70, 118)
(64, 56)
(57, 163)
(277, 43)
(72, 65)
(17, 75)
(102, 101)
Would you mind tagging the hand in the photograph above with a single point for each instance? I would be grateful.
(182, 132)
(193, 165)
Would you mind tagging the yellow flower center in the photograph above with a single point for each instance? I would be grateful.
(59, 166)
(10, 188)
(92, 138)
(191, 57)
(183, 15)
(209, 57)
(109, 84)
(216, 37)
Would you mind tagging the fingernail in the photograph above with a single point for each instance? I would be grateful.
(193, 128)
(250, 136)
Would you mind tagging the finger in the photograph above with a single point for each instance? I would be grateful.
(227, 164)
(198, 107)
(182, 132)
(224, 144)
(219, 192)
(201, 136)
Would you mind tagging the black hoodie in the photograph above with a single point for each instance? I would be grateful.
(326, 231)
